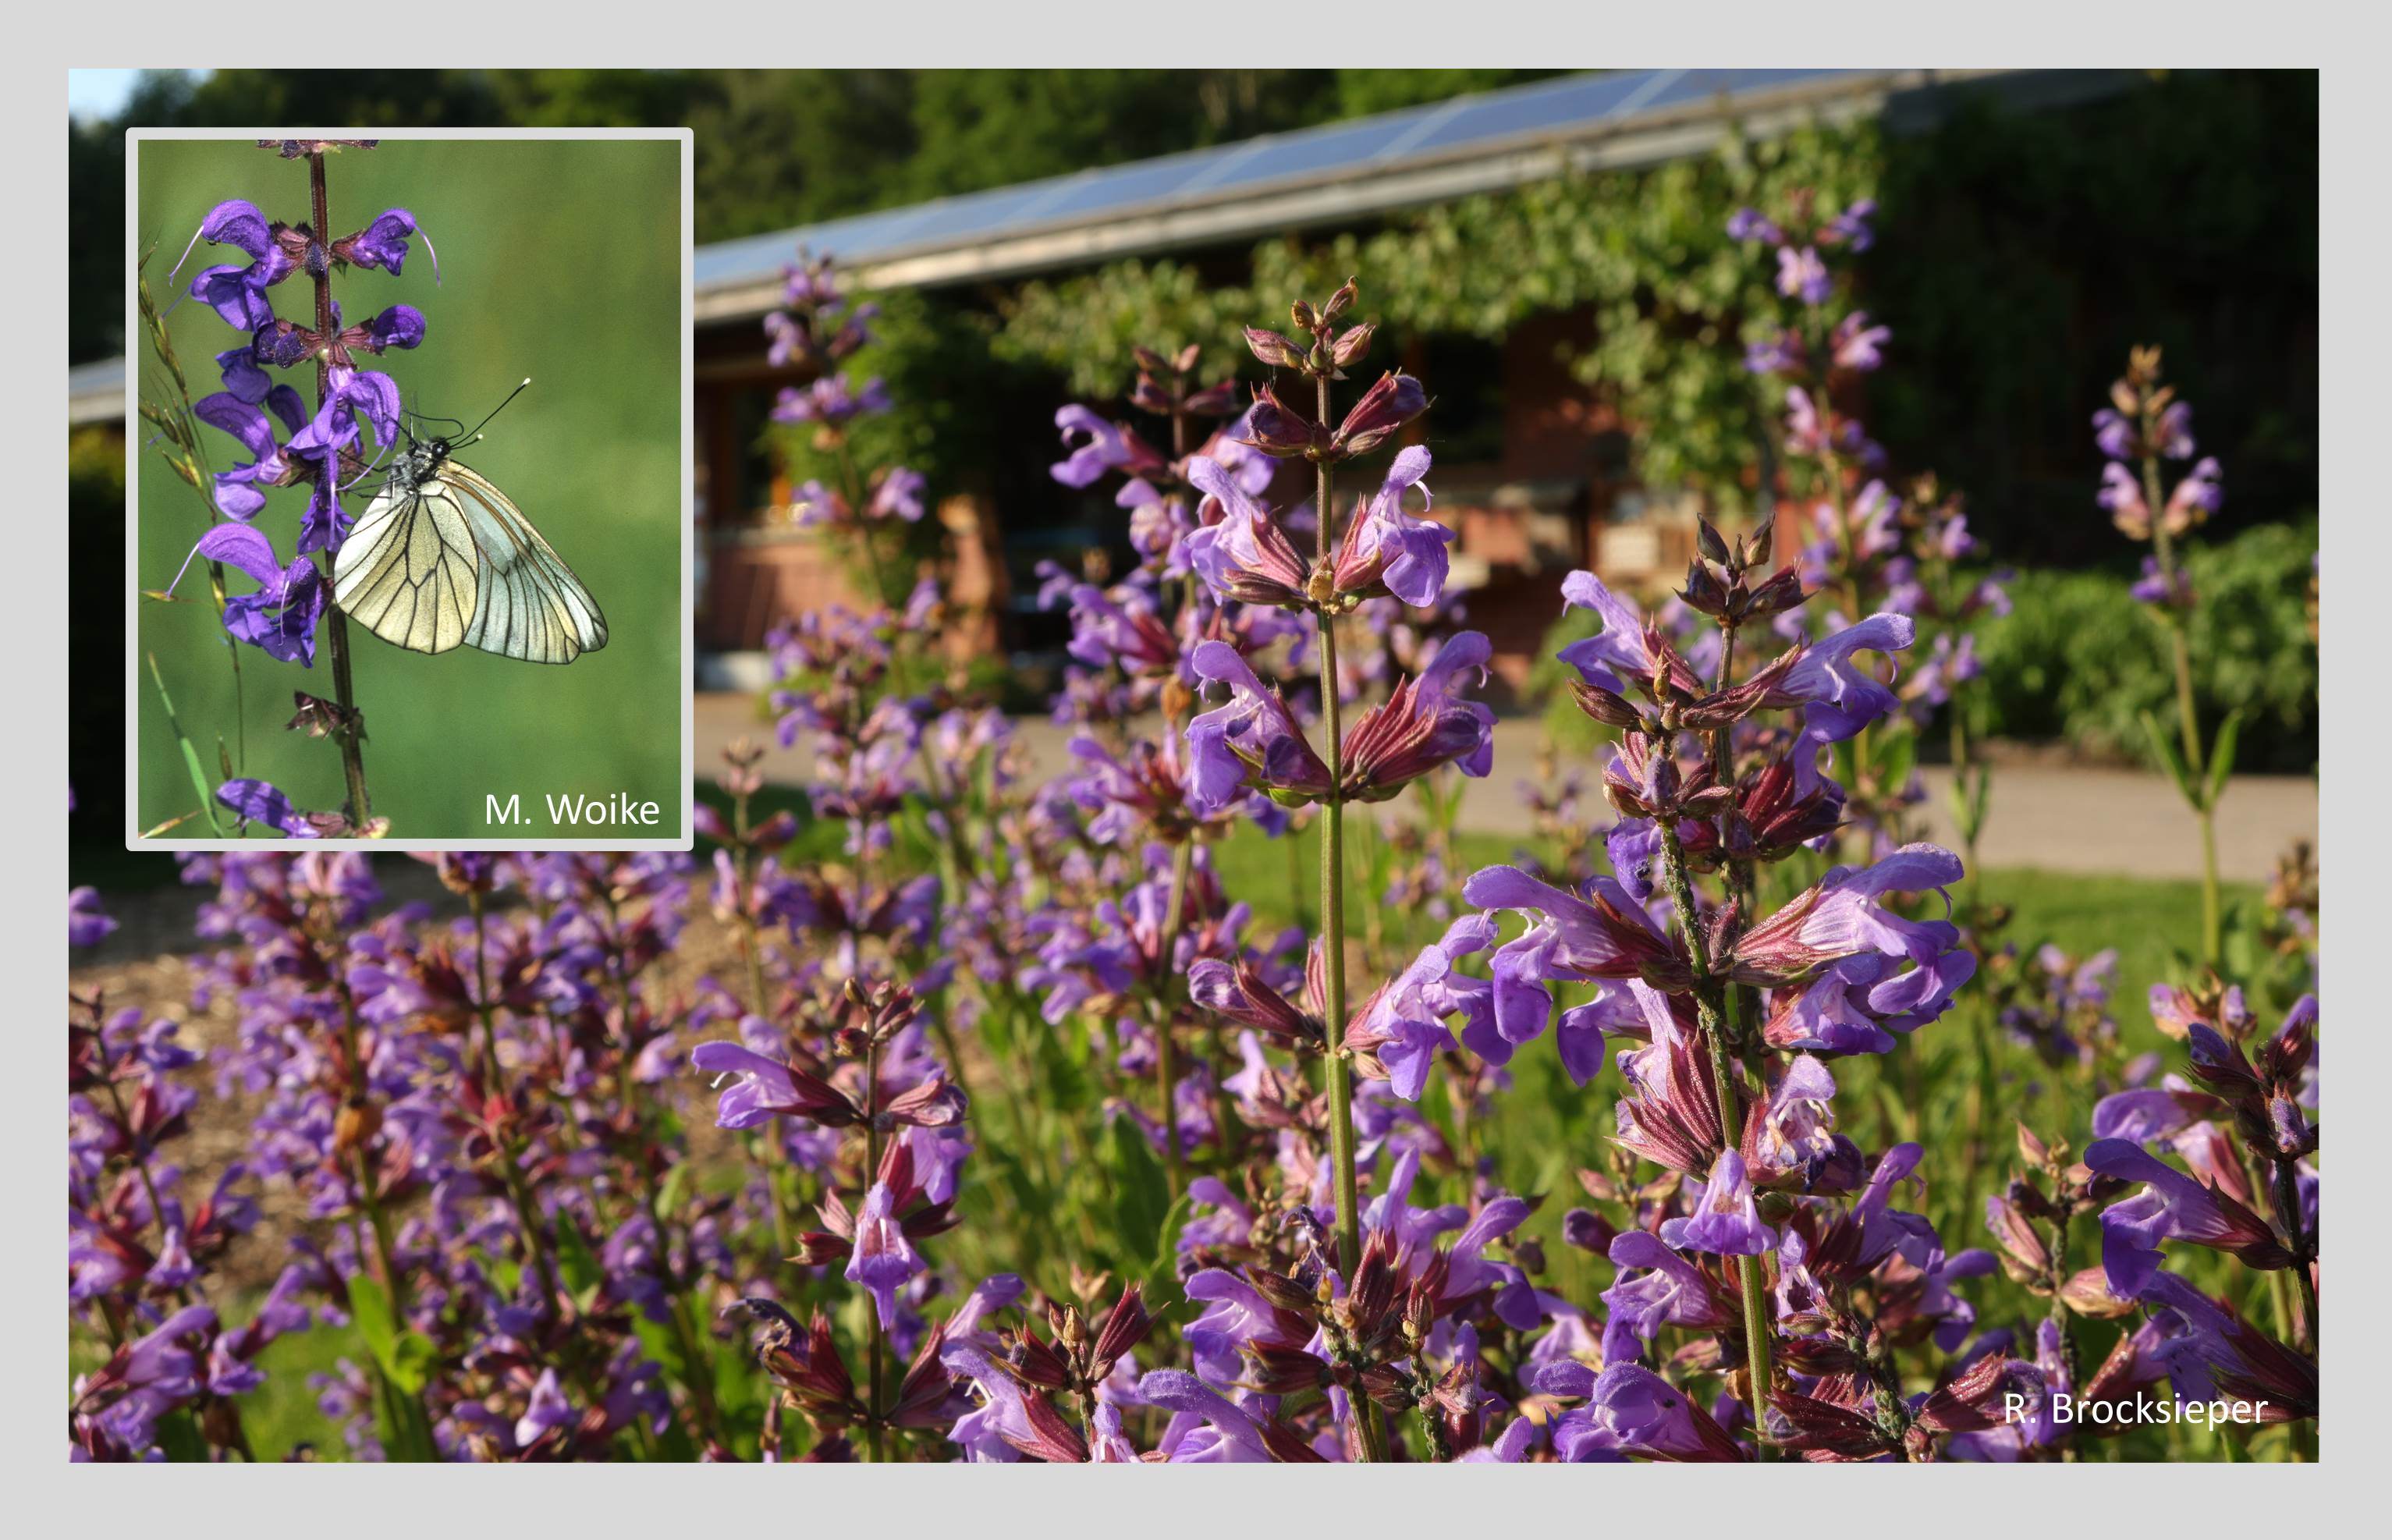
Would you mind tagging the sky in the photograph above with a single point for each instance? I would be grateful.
(98, 93)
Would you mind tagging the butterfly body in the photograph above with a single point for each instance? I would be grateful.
(442, 558)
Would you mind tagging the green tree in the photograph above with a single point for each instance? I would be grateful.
(777, 147)
(774, 148)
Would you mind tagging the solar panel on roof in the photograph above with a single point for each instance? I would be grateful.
(740, 260)
(1121, 187)
(1507, 116)
(1701, 85)
(1305, 154)
(892, 227)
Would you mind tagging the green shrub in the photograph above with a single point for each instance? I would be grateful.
(2078, 657)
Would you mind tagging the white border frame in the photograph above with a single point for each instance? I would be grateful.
(1200, 1500)
(686, 839)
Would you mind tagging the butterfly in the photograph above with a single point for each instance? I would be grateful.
(442, 557)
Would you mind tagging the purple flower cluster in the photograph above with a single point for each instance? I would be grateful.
(143, 1242)
(1870, 547)
(2225, 1155)
(356, 409)
(2145, 423)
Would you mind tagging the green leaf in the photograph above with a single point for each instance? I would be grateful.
(662, 1344)
(403, 1355)
(674, 1446)
(2221, 756)
(1142, 1196)
(410, 1365)
(736, 1393)
(370, 1308)
(668, 1192)
(1013, 1176)
(1965, 797)
(179, 1436)
(2170, 761)
(1162, 1275)
(582, 1276)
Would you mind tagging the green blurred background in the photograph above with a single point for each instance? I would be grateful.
(560, 261)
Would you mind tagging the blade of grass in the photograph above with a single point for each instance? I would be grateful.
(191, 755)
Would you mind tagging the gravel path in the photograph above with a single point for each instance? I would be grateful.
(2053, 818)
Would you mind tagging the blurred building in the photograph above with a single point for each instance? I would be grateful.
(1531, 468)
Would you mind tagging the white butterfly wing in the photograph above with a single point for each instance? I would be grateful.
(530, 606)
(409, 571)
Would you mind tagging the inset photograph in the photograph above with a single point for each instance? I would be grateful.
(409, 538)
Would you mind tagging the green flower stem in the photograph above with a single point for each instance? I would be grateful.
(1336, 1068)
(2286, 1194)
(2058, 1315)
(751, 946)
(2188, 718)
(409, 1419)
(1174, 916)
(510, 1162)
(872, 1405)
(1758, 1321)
(697, 1364)
(1715, 1008)
(1332, 958)
(350, 735)
(139, 1156)
(1166, 1054)
(1831, 468)
(954, 856)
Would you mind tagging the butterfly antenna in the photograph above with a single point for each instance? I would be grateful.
(475, 436)
(380, 455)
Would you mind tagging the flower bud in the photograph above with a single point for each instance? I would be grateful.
(1339, 303)
(1588, 1230)
(1384, 408)
(1703, 591)
(1610, 709)
(2088, 1293)
(1219, 400)
(1281, 431)
(1273, 349)
(1783, 591)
